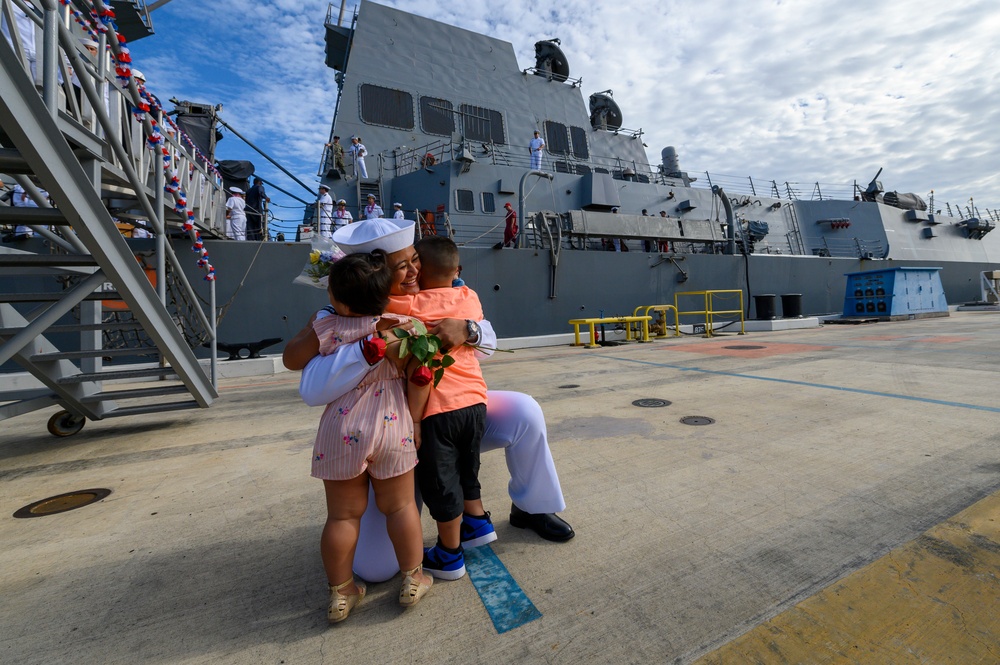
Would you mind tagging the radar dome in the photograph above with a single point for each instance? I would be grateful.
(550, 60)
(604, 112)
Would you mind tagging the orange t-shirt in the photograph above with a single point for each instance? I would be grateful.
(462, 384)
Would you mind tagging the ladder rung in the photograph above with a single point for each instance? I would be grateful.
(13, 163)
(151, 408)
(117, 375)
(94, 353)
(80, 327)
(137, 393)
(46, 260)
(36, 216)
(56, 295)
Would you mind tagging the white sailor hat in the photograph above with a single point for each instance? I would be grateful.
(397, 205)
(386, 234)
(371, 196)
(137, 75)
(236, 190)
(326, 187)
(341, 202)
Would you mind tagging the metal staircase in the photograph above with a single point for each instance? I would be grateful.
(77, 138)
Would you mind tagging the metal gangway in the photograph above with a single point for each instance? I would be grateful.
(75, 122)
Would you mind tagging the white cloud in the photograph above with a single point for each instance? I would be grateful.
(797, 90)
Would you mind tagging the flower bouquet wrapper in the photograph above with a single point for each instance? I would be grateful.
(324, 253)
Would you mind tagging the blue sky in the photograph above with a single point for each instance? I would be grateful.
(792, 90)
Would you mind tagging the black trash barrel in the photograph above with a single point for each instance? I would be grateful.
(764, 304)
(791, 305)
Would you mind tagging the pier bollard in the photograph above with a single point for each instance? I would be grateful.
(764, 305)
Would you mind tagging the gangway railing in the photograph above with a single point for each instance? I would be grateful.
(84, 134)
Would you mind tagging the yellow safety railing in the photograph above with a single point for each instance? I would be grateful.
(626, 320)
(710, 312)
(658, 308)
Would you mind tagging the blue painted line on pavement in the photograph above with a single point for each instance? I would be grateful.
(861, 391)
(508, 606)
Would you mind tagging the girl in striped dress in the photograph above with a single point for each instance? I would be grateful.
(368, 435)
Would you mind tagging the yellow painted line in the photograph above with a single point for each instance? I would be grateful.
(934, 600)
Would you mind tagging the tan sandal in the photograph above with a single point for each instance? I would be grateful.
(413, 590)
(340, 604)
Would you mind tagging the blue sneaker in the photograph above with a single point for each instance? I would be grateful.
(477, 531)
(444, 565)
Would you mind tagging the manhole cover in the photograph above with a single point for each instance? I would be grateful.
(697, 420)
(571, 385)
(62, 503)
(744, 347)
(650, 402)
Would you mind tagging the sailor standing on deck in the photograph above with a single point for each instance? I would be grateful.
(325, 204)
(535, 148)
(372, 210)
(342, 216)
(236, 216)
(358, 151)
(398, 207)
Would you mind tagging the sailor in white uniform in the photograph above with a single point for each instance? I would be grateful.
(342, 216)
(236, 216)
(398, 214)
(325, 203)
(372, 210)
(358, 151)
(535, 148)
(514, 422)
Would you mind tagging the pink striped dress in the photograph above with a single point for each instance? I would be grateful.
(369, 428)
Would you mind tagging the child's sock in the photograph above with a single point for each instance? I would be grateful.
(449, 550)
(477, 517)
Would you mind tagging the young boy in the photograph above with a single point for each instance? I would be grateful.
(454, 419)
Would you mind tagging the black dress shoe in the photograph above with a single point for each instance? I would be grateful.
(547, 525)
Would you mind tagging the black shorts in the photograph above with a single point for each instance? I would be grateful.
(448, 472)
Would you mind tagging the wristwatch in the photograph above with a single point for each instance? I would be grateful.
(474, 332)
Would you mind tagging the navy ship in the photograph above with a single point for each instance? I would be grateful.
(446, 116)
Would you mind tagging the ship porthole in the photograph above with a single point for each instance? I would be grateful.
(496, 287)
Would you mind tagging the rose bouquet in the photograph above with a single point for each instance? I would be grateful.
(424, 347)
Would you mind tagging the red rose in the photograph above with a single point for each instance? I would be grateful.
(373, 349)
(421, 376)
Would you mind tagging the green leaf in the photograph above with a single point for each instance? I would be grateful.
(400, 333)
(419, 328)
(420, 349)
(404, 345)
(447, 361)
(437, 376)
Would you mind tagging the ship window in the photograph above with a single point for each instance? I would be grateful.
(579, 137)
(582, 169)
(386, 107)
(556, 140)
(482, 124)
(489, 204)
(562, 167)
(436, 116)
(598, 169)
(465, 200)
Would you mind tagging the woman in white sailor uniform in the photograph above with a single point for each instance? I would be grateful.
(514, 422)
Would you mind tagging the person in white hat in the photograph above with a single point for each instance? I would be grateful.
(324, 206)
(342, 216)
(236, 216)
(398, 214)
(358, 151)
(514, 421)
(372, 209)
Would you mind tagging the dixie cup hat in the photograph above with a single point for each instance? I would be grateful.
(386, 234)
(236, 190)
